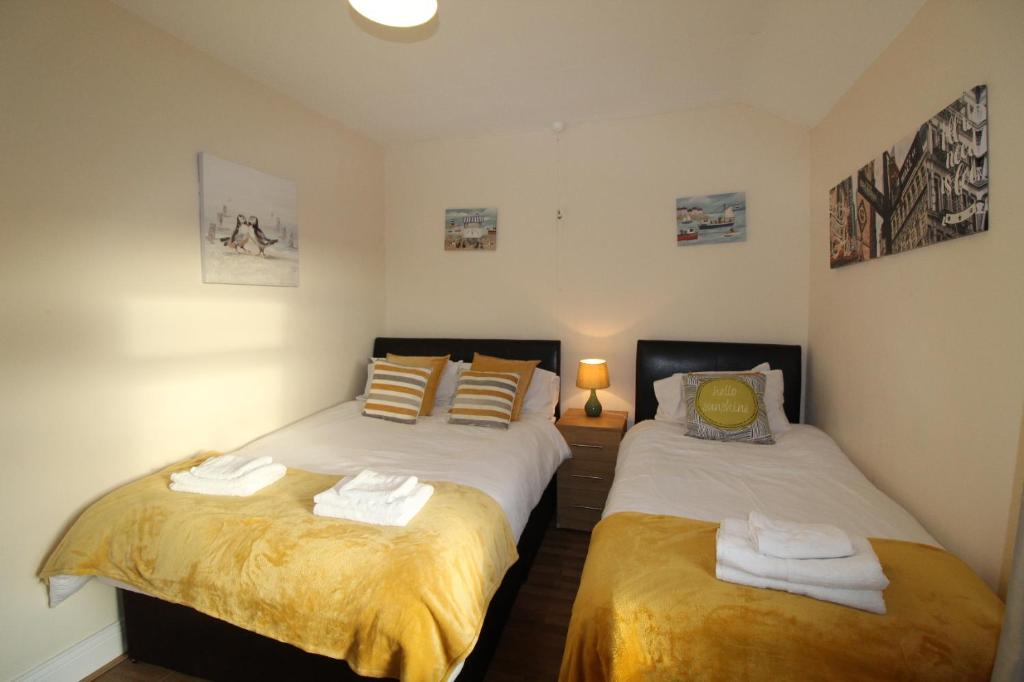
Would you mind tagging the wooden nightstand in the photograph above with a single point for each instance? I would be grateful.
(584, 480)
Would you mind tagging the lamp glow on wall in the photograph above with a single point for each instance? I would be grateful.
(592, 374)
(397, 13)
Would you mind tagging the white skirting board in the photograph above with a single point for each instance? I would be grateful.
(82, 659)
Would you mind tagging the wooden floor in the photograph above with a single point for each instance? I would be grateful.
(531, 645)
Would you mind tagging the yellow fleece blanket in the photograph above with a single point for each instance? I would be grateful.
(650, 608)
(392, 602)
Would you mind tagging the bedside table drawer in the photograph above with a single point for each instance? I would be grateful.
(599, 458)
(587, 474)
(582, 498)
(593, 441)
(577, 518)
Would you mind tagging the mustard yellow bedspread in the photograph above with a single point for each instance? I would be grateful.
(649, 608)
(392, 602)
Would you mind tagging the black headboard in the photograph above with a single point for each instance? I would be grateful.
(548, 352)
(659, 359)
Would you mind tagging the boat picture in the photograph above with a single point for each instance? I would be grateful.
(711, 219)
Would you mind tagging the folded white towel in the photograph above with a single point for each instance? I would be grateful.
(865, 600)
(788, 540)
(229, 466)
(398, 512)
(859, 571)
(243, 486)
(368, 487)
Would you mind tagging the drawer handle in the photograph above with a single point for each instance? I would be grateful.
(583, 506)
(587, 445)
(594, 478)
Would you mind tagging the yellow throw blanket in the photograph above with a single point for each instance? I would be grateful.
(649, 608)
(392, 602)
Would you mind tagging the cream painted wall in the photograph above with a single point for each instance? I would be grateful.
(115, 358)
(915, 359)
(609, 273)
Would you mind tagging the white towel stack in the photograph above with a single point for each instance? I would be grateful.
(370, 497)
(814, 560)
(228, 475)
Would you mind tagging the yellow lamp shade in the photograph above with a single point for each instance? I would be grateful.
(593, 373)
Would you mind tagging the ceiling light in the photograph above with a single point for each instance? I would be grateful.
(397, 13)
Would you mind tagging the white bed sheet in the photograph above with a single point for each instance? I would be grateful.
(513, 467)
(803, 477)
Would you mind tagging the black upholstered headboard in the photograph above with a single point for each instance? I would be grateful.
(659, 359)
(548, 352)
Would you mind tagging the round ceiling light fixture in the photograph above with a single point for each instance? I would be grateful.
(397, 13)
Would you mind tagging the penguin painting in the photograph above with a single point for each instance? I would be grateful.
(262, 241)
(239, 238)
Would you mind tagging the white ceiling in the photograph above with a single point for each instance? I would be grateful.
(501, 66)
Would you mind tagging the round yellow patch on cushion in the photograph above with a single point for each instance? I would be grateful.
(727, 403)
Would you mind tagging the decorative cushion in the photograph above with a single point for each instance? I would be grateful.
(396, 392)
(524, 368)
(670, 393)
(484, 399)
(727, 407)
(436, 366)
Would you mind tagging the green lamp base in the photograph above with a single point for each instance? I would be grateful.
(593, 406)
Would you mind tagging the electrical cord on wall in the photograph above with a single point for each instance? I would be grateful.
(558, 127)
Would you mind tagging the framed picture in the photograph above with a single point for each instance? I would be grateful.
(470, 229)
(711, 219)
(930, 187)
(249, 233)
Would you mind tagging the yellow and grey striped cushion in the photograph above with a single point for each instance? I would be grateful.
(396, 392)
(484, 399)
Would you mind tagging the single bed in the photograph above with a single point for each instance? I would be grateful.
(513, 468)
(649, 606)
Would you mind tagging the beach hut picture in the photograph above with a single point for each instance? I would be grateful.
(471, 229)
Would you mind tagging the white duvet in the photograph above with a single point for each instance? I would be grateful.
(514, 466)
(803, 477)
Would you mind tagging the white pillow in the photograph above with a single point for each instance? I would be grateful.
(369, 379)
(448, 384)
(542, 394)
(774, 397)
(672, 407)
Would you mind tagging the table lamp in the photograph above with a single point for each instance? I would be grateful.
(592, 374)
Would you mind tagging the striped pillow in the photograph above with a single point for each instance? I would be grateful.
(484, 399)
(396, 392)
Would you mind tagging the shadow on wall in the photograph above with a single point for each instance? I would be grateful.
(1015, 504)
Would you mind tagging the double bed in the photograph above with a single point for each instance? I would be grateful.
(650, 607)
(494, 485)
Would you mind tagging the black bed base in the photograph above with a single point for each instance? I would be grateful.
(183, 639)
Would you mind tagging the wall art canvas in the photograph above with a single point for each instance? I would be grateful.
(711, 219)
(930, 187)
(248, 225)
(470, 229)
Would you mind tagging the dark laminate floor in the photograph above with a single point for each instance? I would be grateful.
(531, 645)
